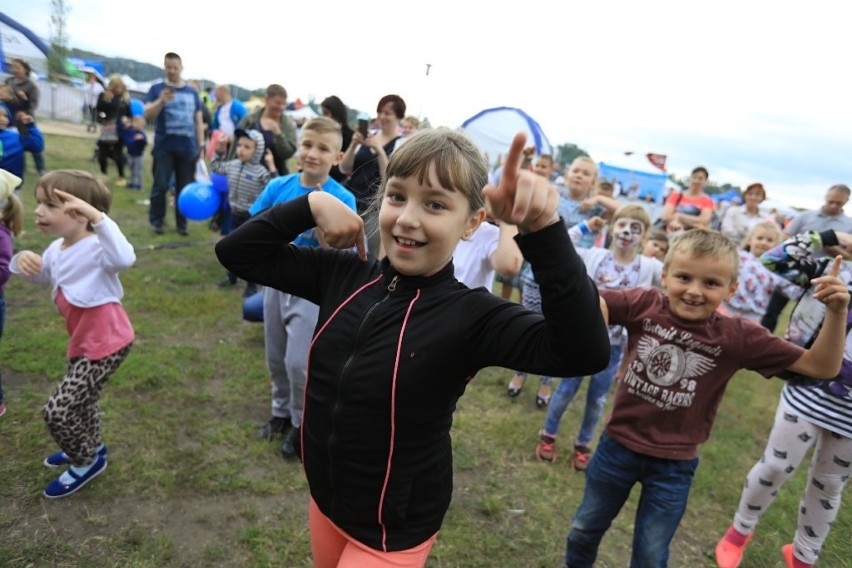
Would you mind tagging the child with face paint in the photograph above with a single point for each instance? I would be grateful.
(575, 206)
(619, 266)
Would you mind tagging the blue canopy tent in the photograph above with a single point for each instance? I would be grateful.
(493, 129)
(637, 176)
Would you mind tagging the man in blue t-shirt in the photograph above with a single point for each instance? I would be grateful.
(179, 136)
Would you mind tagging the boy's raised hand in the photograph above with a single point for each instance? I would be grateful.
(341, 227)
(831, 290)
(523, 198)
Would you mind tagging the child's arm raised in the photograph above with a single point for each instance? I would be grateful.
(507, 258)
(522, 198)
(823, 359)
(341, 227)
(572, 338)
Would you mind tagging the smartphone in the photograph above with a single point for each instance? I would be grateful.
(363, 125)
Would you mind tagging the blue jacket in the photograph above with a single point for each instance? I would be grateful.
(237, 112)
(13, 144)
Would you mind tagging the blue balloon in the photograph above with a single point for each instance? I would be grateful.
(199, 201)
(137, 107)
(220, 182)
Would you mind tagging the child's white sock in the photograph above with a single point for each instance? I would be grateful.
(66, 477)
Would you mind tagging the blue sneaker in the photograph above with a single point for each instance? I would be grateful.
(70, 482)
(60, 458)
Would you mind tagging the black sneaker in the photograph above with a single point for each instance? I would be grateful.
(251, 290)
(276, 426)
(292, 441)
(183, 232)
(157, 229)
(226, 281)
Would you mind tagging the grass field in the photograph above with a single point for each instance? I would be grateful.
(189, 485)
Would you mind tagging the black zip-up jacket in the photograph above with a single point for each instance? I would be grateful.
(392, 354)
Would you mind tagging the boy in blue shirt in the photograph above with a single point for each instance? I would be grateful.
(289, 321)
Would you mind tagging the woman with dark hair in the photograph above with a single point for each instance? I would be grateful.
(24, 98)
(333, 107)
(366, 159)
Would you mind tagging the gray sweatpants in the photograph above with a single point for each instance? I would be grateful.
(288, 327)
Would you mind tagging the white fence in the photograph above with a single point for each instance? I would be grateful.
(59, 101)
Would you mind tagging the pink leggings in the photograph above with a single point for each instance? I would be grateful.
(332, 548)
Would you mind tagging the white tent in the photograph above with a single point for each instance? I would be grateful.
(493, 129)
(19, 42)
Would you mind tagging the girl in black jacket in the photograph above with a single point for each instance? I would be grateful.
(398, 339)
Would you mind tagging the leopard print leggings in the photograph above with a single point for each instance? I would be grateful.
(73, 413)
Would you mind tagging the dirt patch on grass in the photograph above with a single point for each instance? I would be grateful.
(195, 528)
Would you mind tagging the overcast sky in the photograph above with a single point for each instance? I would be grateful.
(753, 90)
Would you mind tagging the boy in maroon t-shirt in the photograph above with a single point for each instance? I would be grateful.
(681, 354)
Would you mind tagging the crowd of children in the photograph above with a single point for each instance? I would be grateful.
(668, 314)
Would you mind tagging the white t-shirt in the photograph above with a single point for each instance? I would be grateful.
(472, 259)
(226, 125)
(92, 91)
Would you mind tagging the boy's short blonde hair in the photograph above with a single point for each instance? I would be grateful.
(587, 160)
(325, 125)
(705, 243)
(633, 211)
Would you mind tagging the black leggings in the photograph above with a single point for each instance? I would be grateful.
(114, 150)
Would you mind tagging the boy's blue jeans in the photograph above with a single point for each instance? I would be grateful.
(613, 471)
(599, 385)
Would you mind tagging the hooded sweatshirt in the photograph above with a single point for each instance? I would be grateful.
(245, 179)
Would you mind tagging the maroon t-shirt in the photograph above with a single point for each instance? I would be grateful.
(678, 371)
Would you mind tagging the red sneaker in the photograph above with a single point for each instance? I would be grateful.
(580, 461)
(792, 561)
(728, 554)
(546, 448)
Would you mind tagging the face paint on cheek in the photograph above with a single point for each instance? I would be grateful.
(628, 232)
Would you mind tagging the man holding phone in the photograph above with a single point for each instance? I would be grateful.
(179, 138)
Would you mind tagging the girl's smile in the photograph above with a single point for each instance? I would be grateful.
(422, 224)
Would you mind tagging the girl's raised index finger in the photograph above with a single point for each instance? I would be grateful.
(835, 266)
(513, 158)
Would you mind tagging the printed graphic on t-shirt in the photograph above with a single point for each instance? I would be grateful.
(180, 115)
(667, 365)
